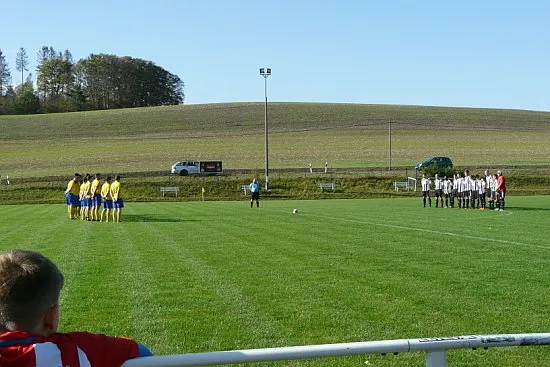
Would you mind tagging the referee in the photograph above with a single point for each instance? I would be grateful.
(255, 193)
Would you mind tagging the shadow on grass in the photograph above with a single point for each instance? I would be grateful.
(524, 208)
(154, 218)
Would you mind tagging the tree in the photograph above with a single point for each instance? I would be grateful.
(55, 78)
(5, 75)
(22, 62)
(121, 82)
(7, 102)
(76, 99)
(26, 101)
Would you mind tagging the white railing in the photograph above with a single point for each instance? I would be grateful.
(435, 349)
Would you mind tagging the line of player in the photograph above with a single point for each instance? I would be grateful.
(467, 190)
(84, 197)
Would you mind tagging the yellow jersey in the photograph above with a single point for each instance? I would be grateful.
(82, 192)
(106, 191)
(87, 190)
(115, 190)
(73, 187)
(95, 187)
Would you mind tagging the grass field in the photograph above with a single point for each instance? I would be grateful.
(205, 276)
(345, 135)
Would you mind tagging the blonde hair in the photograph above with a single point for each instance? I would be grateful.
(30, 284)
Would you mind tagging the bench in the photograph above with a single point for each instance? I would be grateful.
(245, 188)
(403, 184)
(327, 185)
(164, 190)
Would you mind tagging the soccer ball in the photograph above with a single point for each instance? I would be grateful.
(295, 211)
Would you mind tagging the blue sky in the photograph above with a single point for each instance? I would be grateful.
(444, 53)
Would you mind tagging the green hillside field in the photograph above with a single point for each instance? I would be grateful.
(344, 135)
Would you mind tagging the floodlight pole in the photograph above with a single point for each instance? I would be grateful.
(265, 72)
(389, 136)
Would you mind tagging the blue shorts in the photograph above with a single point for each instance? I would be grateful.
(96, 200)
(119, 204)
(71, 199)
(107, 204)
(85, 202)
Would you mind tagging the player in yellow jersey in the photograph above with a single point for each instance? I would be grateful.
(81, 197)
(86, 196)
(96, 198)
(71, 196)
(107, 200)
(118, 203)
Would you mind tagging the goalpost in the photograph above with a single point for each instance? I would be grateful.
(435, 349)
(411, 182)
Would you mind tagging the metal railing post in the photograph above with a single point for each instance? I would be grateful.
(436, 358)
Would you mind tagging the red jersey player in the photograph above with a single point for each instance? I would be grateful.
(501, 190)
(30, 285)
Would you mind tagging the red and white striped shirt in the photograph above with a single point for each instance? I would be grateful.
(76, 349)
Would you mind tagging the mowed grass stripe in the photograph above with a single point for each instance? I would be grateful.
(24, 217)
(96, 299)
(488, 225)
(218, 298)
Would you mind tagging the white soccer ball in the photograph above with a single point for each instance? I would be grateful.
(295, 211)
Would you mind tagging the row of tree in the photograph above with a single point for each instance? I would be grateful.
(99, 81)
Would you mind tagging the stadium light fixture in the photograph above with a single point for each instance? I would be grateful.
(265, 72)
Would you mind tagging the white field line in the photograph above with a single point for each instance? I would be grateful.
(395, 226)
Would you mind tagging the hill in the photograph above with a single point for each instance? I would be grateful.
(345, 135)
(248, 118)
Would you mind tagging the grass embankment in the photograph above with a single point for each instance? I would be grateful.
(344, 135)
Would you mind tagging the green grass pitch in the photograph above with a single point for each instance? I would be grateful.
(208, 276)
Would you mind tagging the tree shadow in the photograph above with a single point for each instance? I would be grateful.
(154, 218)
(524, 208)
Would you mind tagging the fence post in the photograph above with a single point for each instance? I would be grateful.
(436, 358)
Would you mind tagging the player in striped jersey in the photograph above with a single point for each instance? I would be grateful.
(447, 190)
(481, 192)
(455, 190)
(460, 184)
(438, 183)
(29, 318)
(467, 190)
(488, 185)
(426, 184)
(474, 193)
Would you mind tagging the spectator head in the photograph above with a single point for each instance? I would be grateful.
(30, 285)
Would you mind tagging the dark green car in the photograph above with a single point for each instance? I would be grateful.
(439, 162)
